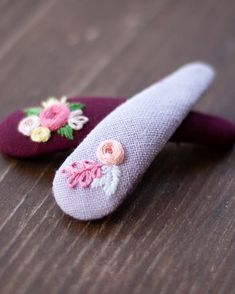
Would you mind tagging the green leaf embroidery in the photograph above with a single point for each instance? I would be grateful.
(66, 131)
(76, 106)
(32, 111)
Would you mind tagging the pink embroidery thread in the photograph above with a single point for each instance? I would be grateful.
(110, 152)
(54, 116)
(82, 173)
(88, 173)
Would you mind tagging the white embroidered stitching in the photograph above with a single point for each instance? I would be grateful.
(109, 180)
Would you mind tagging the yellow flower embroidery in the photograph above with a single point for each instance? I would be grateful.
(40, 134)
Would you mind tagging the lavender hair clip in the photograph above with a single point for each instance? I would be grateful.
(95, 179)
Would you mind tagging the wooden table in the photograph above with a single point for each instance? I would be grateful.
(176, 232)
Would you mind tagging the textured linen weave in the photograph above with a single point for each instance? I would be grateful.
(143, 125)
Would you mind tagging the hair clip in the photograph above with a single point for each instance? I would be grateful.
(55, 125)
(95, 179)
(61, 124)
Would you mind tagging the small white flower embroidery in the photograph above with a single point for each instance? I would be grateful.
(53, 100)
(76, 120)
(28, 124)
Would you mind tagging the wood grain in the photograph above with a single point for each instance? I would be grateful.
(175, 233)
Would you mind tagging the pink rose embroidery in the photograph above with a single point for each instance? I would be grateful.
(88, 173)
(54, 116)
(110, 152)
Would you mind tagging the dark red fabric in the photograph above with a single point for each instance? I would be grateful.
(201, 128)
(196, 128)
(15, 144)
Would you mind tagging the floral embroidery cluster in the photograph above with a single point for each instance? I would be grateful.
(89, 173)
(54, 115)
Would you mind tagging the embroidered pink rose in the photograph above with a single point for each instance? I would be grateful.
(54, 116)
(110, 152)
(88, 173)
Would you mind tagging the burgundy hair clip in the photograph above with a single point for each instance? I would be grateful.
(61, 124)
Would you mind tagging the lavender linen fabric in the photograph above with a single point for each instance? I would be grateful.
(143, 125)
